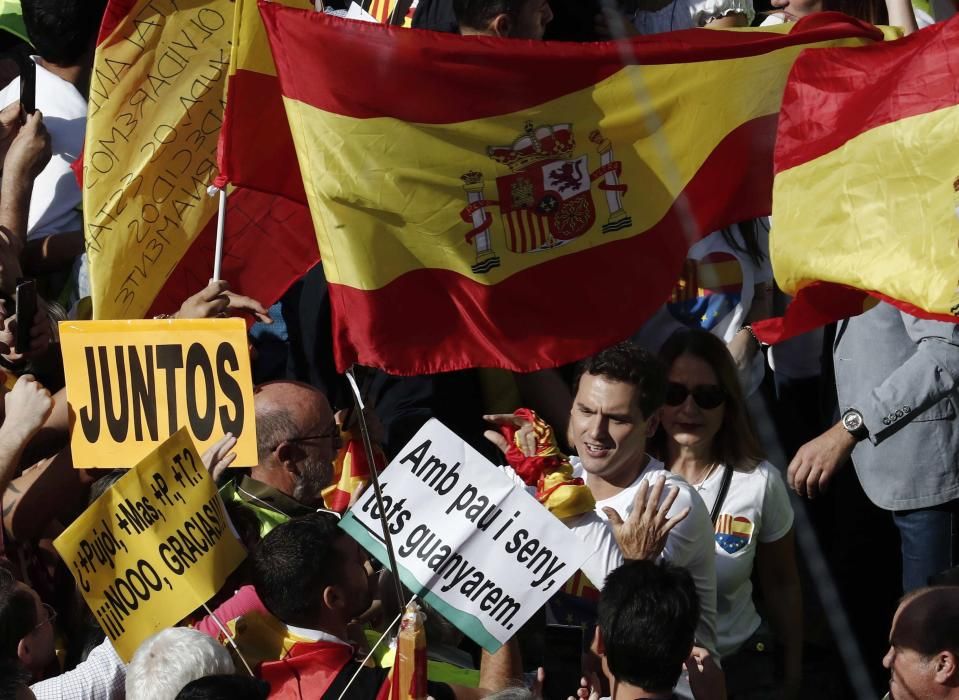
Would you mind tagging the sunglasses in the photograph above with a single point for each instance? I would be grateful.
(706, 396)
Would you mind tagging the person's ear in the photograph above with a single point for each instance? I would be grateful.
(947, 669)
(599, 647)
(333, 598)
(285, 455)
(653, 423)
(24, 653)
(501, 25)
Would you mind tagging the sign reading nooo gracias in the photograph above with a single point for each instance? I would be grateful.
(468, 539)
(133, 384)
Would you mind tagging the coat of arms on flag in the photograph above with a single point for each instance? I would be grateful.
(546, 200)
(733, 533)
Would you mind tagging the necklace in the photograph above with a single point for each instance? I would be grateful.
(702, 482)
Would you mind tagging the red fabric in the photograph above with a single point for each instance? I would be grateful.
(251, 155)
(269, 244)
(307, 671)
(448, 92)
(825, 302)
(244, 601)
(833, 94)
(468, 324)
(529, 469)
(114, 14)
(269, 241)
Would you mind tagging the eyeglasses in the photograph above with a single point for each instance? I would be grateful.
(51, 615)
(333, 434)
(706, 396)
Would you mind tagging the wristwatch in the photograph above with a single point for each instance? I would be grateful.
(852, 422)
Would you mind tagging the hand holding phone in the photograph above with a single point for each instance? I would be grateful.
(28, 86)
(562, 661)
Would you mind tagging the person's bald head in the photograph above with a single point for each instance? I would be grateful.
(297, 439)
(923, 656)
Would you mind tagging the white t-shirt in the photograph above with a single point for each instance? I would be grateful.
(687, 14)
(756, 509)
(56, 194)
(690, 543)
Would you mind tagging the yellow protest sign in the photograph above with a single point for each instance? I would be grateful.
(154, 547)
(156, 106)
(133, 384)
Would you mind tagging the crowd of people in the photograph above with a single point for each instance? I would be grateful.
(684, 443)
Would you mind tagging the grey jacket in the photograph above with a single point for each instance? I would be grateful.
(902, 374)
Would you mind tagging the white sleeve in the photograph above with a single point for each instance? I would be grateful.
(705, 11)
(777, 511)
(101, 677)
(598, 537)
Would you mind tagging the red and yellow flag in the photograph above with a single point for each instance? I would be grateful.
(517, 204)
(256, 146)
(351, 473)
(866, 194)
(407, 678)
(156, 107)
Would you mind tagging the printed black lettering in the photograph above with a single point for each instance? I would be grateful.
(90, 415)
(227, 362)
(197, 359)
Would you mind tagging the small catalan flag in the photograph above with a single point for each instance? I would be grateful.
(733, 533)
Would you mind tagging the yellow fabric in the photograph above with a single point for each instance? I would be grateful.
(557, 489)
(888, 225)
(251, 49)
(150, 148)
(261, 638)
(420, 226)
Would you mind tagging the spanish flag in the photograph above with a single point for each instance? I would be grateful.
(156, 109)
(256, 146)
(518, 204)
(351, 473)
(866, 193)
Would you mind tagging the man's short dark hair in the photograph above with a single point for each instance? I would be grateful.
(648, 614)
(628, 362)
(294, 563)
(62, 30)
(477, 14)
(18, 617)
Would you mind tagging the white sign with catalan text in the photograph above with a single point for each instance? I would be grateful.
(468, 538)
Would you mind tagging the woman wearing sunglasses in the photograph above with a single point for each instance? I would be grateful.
(706, 437)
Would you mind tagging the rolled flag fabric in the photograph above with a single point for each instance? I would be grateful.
(866, 193)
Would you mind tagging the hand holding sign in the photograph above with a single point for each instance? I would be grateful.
(468, 538)
(219, 456)
(154, 547)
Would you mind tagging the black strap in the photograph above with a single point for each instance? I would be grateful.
(723, 488)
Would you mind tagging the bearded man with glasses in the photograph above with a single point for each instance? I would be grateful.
(298, 440)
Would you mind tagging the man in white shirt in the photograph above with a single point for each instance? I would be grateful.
(64, 33)
(618, 394)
